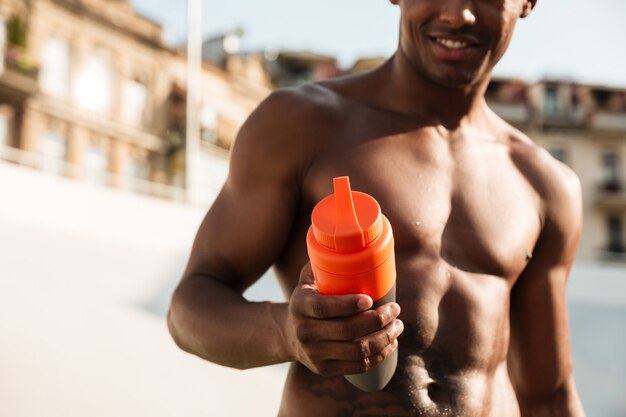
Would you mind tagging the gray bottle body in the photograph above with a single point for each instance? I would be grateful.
(379, 376)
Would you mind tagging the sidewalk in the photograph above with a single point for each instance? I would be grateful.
(79, 267)
(66, 354)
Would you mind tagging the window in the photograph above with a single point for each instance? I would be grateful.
(95, 84)
(615, 232)
(52, 149)
(54, 76)
(3, 41)
(134, 102)
(551, 100)
(134, 169)
(96, 164)
(610, 171)
(4, 131)
(208, 124)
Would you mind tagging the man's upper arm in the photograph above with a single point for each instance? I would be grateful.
(248, 224)
(540, 357)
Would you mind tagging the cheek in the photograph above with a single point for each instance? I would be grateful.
(409, 33)
(507, 26)
(416, 12)
(501, 21)
(510, 13)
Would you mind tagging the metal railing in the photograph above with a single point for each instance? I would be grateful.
(62, 168)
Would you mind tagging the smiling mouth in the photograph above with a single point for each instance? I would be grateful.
(449, 43)
(454, 44)
(457, 49)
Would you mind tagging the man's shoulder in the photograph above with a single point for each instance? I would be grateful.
(306, 102)
(540, 162)
(325, 98)
(289, 125)
(286, 111)
(557, 185)
(302, 114)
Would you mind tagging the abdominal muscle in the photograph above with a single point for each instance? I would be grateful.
(451, 356)
(410, 393)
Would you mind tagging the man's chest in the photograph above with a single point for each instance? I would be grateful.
(463, 202)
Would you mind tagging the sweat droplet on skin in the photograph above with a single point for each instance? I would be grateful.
(418, 224)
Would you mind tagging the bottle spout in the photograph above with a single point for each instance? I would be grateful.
(348, 232)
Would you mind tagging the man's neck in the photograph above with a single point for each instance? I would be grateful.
(408, 91)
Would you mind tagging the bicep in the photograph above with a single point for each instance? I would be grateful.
(249, 223)
(539, 356)
(242, 234)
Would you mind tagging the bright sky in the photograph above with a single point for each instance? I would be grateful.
(569, 39)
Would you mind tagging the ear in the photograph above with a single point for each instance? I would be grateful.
(528, 7)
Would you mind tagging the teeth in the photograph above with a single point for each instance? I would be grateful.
(449, 43)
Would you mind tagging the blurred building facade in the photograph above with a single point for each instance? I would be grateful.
(278, 68)
(88, 89)
(272, 68)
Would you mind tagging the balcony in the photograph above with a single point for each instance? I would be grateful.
(18, 78)
(52, 166)
(610, 121)
(611, 195)
(564, 118)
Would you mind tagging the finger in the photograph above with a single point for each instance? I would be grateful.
(379, 318)
(338, 367)
(354, 327)
(307, 301)
(359, 349)
(321, 306)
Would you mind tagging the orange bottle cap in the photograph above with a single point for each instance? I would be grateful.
(347, 220)
(350, 244)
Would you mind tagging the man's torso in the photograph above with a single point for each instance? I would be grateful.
(465, 217)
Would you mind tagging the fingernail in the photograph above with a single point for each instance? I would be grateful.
(399, 325)
(364, 303)
(395, 310)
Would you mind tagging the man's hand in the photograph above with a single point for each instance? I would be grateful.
(339, 334)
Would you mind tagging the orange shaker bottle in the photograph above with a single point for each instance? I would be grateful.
(350, 245)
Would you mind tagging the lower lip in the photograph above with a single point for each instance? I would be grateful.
(458, 54)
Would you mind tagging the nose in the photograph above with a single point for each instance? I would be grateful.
(457, 13)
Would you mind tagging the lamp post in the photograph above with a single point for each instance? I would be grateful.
(194, 81)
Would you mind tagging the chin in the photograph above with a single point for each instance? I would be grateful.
(449, 75)
(457, 76)
(457, 79)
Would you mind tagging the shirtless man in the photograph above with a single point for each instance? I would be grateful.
(486, 226)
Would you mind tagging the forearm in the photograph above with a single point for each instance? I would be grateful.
(564, 402)
(211, 320)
